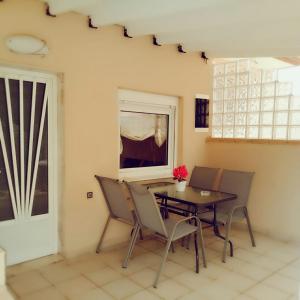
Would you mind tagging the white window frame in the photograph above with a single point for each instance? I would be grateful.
(151, 103)
(201, 130)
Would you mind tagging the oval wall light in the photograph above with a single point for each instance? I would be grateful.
(26, 44)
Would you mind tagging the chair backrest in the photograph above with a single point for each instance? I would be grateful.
(203, 177)
(115, 199)
(146, 208)
(236, 182)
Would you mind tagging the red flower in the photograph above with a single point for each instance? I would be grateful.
(180, 173)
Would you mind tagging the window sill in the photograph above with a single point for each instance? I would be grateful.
(251, 141)
(140, 177)
(201, 130)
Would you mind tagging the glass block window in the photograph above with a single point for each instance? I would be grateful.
(251, 103)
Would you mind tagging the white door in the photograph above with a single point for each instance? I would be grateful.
(28, 157)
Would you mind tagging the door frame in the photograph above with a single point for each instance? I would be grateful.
(53, 145)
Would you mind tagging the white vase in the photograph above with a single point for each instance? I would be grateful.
(180, 186)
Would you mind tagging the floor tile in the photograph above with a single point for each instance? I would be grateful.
(88, 266)
(75, 287)
(249, 270)
(266, 244)
(28, 282)
(143, 295)
(214, 271)
(245, 255)
(284, 254)
(296, 263)
(171, 269)
(183, 257)
(135, 264)
(94, 294)
(146, 277)
(121, 288)
(282, 283)
(218, 246)
(217, 291)
(264, 292)
(103, 276)
(243, 297)
(148, 259)
(291, 271)
(269, 263)
(33, 264)
(84, 257)
(236, 282)
(138, 250)
(193, 280)
(269, 271)
(170, 289)
(294, 297)
(45, 294)
(115, 256)
(17, 269)
(212, 254)
(58, 272)
(152, 244)
(192, 296)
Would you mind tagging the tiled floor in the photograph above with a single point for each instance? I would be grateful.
(270, 271)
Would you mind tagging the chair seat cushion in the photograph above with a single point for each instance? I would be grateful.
(183, 229)
(209, 217)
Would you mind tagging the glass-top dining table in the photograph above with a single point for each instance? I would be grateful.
(196, 200)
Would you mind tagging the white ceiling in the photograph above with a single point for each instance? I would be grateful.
(221, 28)
(260, 62)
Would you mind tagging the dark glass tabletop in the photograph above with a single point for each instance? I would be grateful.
(191, 196)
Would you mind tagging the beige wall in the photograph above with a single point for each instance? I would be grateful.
(94, 63)
(274, 203)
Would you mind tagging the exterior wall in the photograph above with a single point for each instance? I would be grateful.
(2, 267)
(274, 202)
(93, 65)
(4, 293)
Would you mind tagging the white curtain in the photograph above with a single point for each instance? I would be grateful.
(140, 126)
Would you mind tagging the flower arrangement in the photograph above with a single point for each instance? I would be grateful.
(180, 173)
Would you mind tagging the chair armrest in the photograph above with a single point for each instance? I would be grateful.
(233, 209)
(198, 223)
(186, 219)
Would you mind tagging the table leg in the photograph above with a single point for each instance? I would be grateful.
(164, 208)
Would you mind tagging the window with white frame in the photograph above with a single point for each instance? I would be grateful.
(148, 128)
(252, 103)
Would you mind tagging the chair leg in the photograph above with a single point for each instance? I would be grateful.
(188, 238)
(141, 235)
(173, 247)
(133, 239)
(200, 236)
(102, 235)
(249, 227)
(182, 241)
(196, 240)
(164, 258)
(227, 229)
(137, 230)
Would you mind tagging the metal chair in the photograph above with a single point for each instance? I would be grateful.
(239, 183)
(203, 177)
(117, 204)
(148, 215)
